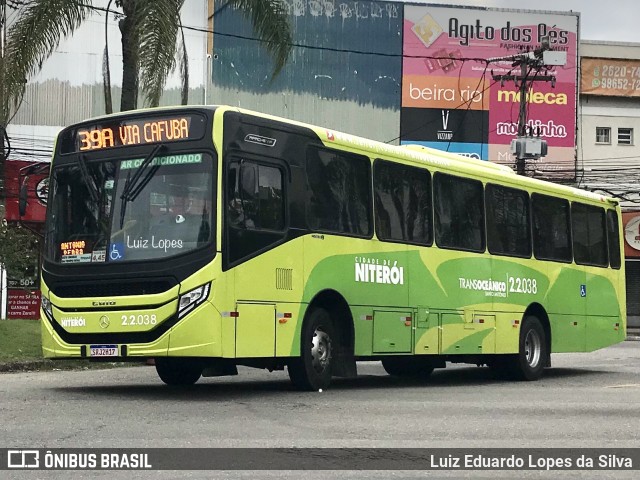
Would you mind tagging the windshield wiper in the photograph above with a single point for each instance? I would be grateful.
(88, 180)
(134, 185)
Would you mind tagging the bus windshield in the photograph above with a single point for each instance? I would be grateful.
(130, 210)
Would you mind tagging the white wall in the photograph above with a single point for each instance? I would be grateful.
(613, 168)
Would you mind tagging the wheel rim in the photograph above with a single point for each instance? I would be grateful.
(320, 350)
(532, 348)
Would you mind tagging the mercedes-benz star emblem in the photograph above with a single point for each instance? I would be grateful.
(104, 321)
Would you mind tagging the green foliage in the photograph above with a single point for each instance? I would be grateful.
(19, 249)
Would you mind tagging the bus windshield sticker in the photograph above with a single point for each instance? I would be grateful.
(116, 252)
(80, 258)
(99, 256)
(165, 244)
(260, 140)
(165, 160)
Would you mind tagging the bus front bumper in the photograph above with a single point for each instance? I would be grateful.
(198, 334)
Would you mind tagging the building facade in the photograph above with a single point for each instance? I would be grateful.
(608, 142)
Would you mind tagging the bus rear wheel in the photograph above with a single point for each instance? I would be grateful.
(407, 367)
(178, 371)
(528, 363)
(312, 370)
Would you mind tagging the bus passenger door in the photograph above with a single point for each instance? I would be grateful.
(255, 330)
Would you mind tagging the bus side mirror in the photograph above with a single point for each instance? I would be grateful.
(22, 198)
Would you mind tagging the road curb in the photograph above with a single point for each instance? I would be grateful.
(49, 365)
(25, 366)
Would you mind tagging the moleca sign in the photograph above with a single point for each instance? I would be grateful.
(632, 233)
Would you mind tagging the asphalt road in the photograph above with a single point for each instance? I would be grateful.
(585, 400)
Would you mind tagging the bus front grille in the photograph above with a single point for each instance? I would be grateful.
(113, 289)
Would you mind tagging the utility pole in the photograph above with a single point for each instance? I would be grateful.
(527, 146)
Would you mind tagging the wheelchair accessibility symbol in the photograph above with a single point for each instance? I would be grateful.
(116, 252)
(583, 290)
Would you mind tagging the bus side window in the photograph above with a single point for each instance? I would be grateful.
(339, 196)
(234, 208)
(589, 235)
(459, 213)
(551, 228)
(613, 236)
(508, 225)
(255, 196)
(249, 193)
(402, 203)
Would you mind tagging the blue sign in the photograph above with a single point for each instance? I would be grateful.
(583, 290)
(116, 252)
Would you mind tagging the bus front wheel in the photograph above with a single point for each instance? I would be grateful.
(178, 371)
(312, 370)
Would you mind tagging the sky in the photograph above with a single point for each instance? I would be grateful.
(610, 20)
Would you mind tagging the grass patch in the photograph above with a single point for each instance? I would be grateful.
(20, 340)
(21, 350)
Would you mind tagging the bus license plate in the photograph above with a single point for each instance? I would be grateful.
(103, 350)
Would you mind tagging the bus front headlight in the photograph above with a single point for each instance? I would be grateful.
(47, 307)
(192, 299)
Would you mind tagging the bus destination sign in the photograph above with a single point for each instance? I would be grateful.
(132, 132)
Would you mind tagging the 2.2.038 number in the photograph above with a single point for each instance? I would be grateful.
(523, 285)
(136, 320)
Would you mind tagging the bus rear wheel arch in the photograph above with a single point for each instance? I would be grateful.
(533, 353)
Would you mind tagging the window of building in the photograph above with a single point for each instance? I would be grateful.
(459, 213)
(603, 135)
(551, 228)
(339, 193)
(508, 230)
(402, 203)
(625, 136)
(589, 235)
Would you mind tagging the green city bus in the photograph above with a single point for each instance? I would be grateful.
(210, 237)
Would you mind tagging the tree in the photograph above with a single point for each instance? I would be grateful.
(18, 249)
(149, 30)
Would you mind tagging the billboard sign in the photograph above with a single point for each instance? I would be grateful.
(37, 189)
(604, 76)
(23, 304)
(450, 100)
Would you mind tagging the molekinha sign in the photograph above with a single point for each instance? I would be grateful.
(449, 100)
